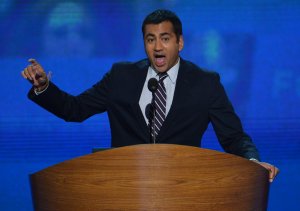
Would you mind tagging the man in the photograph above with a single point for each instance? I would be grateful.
(183, 102)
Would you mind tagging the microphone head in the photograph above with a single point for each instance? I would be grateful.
(152, 84)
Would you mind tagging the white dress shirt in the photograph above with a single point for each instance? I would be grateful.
(169, 82)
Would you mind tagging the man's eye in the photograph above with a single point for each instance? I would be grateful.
(165, 39)
(150, 40)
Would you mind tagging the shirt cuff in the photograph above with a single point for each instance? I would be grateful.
(40, 92)
(253, 159)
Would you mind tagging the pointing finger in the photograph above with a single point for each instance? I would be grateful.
(32, 61)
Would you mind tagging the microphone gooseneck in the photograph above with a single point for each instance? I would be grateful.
(150, 109)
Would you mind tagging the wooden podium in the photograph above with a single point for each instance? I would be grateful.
(152, 177)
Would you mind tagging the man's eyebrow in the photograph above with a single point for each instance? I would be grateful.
(150, 35)
(165, 33)
(161, 34)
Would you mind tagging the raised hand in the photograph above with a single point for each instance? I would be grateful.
(36, 75)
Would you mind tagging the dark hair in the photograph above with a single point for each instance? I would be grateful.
(159, 16)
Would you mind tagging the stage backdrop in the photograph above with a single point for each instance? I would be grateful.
(254, 45)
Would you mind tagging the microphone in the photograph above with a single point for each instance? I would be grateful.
(150, 109)
(152, 85)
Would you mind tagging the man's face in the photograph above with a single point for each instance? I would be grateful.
(162, 46)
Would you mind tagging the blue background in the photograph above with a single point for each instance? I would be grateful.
(254, 45)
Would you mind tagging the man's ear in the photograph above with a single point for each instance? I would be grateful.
(181, 43)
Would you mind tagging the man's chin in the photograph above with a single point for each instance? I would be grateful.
(161, 69)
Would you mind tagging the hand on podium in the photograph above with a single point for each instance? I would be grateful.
(273, 170)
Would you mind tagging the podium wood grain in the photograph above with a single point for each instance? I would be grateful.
(152, 177)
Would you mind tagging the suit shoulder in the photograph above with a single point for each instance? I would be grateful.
(129, 65)
(125, 70)
(198, 71)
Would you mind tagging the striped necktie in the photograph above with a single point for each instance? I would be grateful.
(159, 102)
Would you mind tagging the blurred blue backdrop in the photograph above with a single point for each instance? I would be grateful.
(254, 45)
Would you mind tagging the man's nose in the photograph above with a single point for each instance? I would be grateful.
(158, 45)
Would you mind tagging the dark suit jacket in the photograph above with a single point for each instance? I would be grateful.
(199, 98)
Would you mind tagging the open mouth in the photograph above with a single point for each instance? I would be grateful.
(160, 60)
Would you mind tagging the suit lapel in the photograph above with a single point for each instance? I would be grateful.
(139, 78)
(180, 94)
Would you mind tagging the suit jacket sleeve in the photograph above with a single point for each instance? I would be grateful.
(74, 108)
(227, 124)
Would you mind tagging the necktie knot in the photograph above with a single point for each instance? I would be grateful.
(162, 76)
